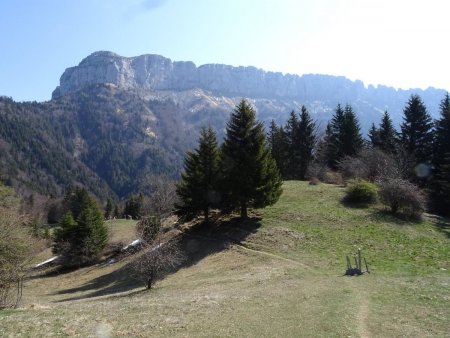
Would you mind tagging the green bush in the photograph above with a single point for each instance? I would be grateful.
(360, 191)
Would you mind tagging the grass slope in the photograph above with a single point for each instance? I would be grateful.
(279, 274)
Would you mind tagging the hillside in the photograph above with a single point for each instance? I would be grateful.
(279, 274)
(116, 124)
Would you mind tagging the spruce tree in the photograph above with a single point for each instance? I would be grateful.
(416, 130)
(351, 139)
(109, 209)
(388, 136)
(441, 160)
(80, 240)
(342, 136)
(198, 189)
(307, 142)
(278, 146)
(292, 133)
(333, 138)
(250, 175)
(374, 137)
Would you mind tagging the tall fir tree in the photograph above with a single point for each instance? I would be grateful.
(352, 140)
(80, 240)
(333, 138)
(342, 136)
(307, 142)
(109, 209)
(278, 146)
(250, 175)
(374, 137)
(198, 188)
(388, 135)
(293, 159)
(417, 130)
(440, 186)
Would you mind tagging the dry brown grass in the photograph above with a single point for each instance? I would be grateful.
(266, 278)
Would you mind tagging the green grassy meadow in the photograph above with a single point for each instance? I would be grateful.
(280, 274)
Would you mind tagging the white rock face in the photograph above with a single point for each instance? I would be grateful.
(154, 72)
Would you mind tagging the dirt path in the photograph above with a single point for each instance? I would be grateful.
(271, 255)
(362, 317)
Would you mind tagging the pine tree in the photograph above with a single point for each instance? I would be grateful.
(388, 135)
(133, 206)
(416, 130)
(441, 159)
(374, 137)
(250, 173)
(109, 209)
(333, 139)
(342, 136)
(352, 140)
(198, 189)
(278, 146)
(293, 159)
(307, 142)
(80, 240)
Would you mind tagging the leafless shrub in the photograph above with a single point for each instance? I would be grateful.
(156, 258)
(324, 174)
(314, 181)
(370, 164)
(148, 228)
(15, 251)
(162, 199)
(402, 197)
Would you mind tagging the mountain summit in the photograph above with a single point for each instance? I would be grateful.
(274, 94)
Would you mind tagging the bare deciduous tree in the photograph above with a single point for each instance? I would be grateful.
(15, 252)
(156, 258)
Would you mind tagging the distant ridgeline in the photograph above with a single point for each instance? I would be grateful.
(115, 124)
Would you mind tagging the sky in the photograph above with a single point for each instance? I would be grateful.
(398, 43)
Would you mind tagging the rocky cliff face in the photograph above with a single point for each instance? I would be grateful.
(154, 72)
(214, 85)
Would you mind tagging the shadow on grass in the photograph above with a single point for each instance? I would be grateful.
(355, 205)
(196, 243)
(442, 224)
(384, 215)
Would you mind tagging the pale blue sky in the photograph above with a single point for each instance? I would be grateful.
(397, 43)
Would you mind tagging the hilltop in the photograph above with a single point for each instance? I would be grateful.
(279, 274)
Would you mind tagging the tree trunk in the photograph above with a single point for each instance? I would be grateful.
(244, 209)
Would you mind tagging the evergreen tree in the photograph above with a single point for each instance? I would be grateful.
(278, 146)
(198, 189)
(342, 136)
(250, 173)
(307, 142)
(351, 139)
(416, 130)
(109, 209)
(293, 159)
(133, 206)
(388, 135)
(116, 211)
(374, 137)
(80, 241)
(441, 160)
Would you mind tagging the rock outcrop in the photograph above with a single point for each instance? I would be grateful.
(154, 72)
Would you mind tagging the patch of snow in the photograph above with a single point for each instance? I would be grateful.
(46, 262)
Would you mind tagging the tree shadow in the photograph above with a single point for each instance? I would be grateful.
(441, 223)
(196, 243)
(384, 215)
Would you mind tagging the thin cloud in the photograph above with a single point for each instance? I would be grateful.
(150, 5)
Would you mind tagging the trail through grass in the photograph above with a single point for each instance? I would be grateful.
(278, 276)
